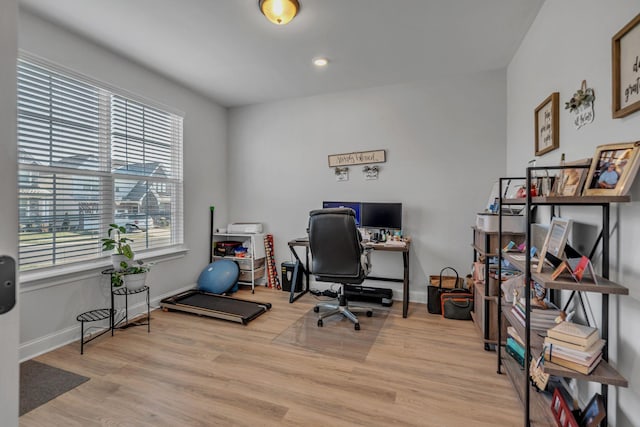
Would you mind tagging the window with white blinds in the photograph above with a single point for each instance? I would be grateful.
(89, 157)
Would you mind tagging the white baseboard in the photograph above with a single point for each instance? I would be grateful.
(62, 337)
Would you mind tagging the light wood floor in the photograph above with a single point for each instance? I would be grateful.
(194, 371)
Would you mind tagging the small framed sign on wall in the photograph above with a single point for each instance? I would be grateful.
(547, 118)
(357, 158)
(625, 51)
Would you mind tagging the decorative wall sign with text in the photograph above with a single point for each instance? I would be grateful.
(358, 158)
(625, 47)
(581, 105)
(547, 125)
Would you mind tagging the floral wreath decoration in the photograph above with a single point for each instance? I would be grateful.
(582, 96)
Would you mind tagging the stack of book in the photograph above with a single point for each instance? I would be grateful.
(541, 318)
(574, 346)
(515, 345)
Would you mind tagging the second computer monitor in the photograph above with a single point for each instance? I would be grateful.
(381, 215)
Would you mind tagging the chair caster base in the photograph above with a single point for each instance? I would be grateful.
(316, 309)
(320, 324)
(357, 326)
(369, 313)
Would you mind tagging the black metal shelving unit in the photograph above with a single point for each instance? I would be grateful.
(487, 245)
(604, 373)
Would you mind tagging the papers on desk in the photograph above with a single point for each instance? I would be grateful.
(389, 244)
(396, 243)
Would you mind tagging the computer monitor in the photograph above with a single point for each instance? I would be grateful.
(381, 215)
(353, 205)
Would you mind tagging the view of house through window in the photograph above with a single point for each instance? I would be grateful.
(89, 157)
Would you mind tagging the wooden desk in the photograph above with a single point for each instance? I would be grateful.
(299, 264)
(374, 246)
(405, 262)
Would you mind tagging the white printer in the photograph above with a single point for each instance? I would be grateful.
(244, 227)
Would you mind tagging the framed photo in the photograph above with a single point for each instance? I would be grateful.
(561, 412)
(593, 413)
(625, 77)
(613, 169)
(547, 124)
(571, 181)
(555, 241)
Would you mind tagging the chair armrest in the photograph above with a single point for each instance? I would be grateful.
(365, 260)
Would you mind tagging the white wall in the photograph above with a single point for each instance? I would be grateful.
(569, 41)
(9, 322)
(445, 143)
(48, 312)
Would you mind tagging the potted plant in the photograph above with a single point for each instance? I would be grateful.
(132, 276)
(114, 240)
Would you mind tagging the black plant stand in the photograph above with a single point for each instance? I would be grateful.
(120, 291)
(126, 292)
(92, 316)
(110, 313)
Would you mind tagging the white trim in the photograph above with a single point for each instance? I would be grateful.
(49, 342)
(44, 278)
(71, 334)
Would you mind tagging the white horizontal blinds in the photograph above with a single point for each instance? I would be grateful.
(60, 218)
(87, 158)
(63, 190)
(146, 159)
(58, 120)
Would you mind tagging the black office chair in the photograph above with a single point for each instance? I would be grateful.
(339, 257)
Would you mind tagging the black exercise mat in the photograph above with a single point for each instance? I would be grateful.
(235, 306)
(39, 383)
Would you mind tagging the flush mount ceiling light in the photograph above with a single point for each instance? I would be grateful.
(280, 12)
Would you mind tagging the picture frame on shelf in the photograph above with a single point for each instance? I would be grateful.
(593, 413)
(547, 125)
(555, 241)
(561, 411)
(625, 72)
(571, 180)
(544, 184)
(613, 169)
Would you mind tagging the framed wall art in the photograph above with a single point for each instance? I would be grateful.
(357, 158)
(613, 169)
(547, 121)
(625, 78)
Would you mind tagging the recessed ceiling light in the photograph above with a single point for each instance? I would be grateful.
(320, 62)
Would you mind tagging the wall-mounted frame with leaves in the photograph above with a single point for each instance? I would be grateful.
(581, 105)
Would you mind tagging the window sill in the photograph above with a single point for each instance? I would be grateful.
(54, 276)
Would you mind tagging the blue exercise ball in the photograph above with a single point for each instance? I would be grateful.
(219, 277)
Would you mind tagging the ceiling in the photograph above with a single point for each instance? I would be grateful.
(228, 51)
